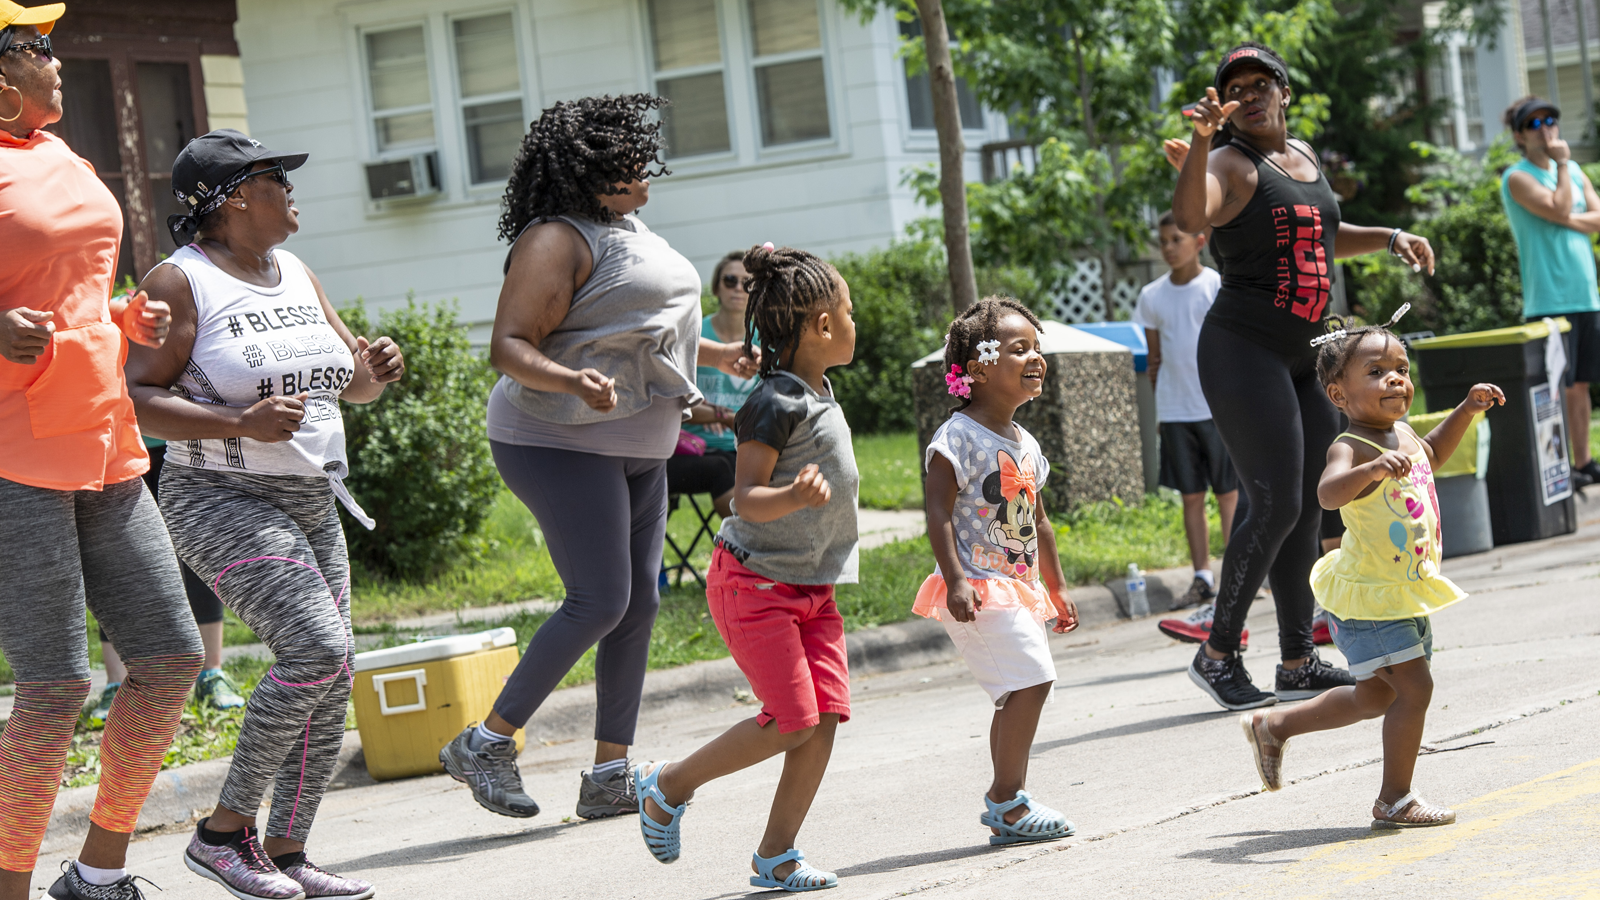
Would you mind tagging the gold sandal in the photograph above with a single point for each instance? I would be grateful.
(1410, 811)
(1270, 768)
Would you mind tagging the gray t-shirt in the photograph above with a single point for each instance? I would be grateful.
(815, 545)
(649, 434)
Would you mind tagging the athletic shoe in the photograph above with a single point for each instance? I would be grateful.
(1320, 635)
(319, 882)
(1198, 593)
(1310, 679)
(71, 886)
(613, 796)
(215, 689)
(1226, 681)
(1591, 469)
(97, 716)
(1197, 627)
(1581, 478)
(491, 771)
(241, 867)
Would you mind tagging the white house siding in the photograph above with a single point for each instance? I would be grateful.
(305, 88)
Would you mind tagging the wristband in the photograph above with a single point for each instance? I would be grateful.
(1393, 236)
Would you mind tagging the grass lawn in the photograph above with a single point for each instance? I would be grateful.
(891, 474)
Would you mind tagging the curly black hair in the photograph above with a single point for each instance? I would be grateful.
(578, 150)
(1334, 354)
(1225, 135)
(979, 323)
(786, 286)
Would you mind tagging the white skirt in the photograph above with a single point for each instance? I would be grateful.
(1006, 649)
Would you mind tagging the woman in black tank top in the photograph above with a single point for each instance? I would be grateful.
(1276, 231)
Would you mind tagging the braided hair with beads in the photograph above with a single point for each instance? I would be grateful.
(979, 322)
(786, 287)
(578, 150)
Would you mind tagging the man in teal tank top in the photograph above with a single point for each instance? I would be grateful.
(1553, 210)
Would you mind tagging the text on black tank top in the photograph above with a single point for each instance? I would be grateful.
(1277, 258)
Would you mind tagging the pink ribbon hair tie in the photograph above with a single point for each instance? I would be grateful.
(768, 247)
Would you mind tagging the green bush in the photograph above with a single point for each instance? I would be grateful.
(419, 455)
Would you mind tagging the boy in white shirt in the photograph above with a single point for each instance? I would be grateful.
(1171, 310)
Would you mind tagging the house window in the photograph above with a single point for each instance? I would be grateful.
(687, 47)
(919, 92)
(791, 87)
(1471, 103)
(1443, 130)
(490, 88)
(397, 76)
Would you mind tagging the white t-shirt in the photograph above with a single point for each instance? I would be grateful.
(1177, 311)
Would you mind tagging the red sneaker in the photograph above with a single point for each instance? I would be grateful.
(1319, 631)
(1197, 627)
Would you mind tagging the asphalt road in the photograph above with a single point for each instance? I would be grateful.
(1158, 780)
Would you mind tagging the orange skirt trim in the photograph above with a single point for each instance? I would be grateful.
(996, 593)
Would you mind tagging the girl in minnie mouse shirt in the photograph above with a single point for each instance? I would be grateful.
(993, 543)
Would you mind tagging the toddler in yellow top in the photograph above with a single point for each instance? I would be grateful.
(1382, 585)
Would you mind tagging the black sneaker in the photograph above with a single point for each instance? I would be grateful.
(1310, 679)
(71, 886)
(1226, 681)
(1198, 593)
(1589, 470)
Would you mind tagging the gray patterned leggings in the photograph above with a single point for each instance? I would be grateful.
(272, 548)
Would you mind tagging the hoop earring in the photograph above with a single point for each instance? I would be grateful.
(19, 103)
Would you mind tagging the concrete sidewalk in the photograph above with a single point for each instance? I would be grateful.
(1157, 778)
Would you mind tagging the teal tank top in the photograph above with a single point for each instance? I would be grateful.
(1558, 271)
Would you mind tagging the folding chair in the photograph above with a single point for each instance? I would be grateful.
(683, 564)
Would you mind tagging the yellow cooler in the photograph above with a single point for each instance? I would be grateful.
(412, 700)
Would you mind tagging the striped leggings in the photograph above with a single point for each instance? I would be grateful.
(106, 551)
(272, 549)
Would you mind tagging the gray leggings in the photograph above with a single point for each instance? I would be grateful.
(272, 548)
(604, 518)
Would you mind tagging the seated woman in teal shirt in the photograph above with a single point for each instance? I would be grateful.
(712, 421)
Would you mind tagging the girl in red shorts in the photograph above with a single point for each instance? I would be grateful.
(791, 539)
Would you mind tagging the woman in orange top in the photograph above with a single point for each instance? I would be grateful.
(73, 502)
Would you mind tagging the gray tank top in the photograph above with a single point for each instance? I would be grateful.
(637, 320)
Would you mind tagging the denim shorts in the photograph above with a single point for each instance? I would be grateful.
(1368, 644)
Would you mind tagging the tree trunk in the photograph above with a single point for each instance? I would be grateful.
(952, 155)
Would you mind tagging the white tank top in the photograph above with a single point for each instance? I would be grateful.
(252, 343)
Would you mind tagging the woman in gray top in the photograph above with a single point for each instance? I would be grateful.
(597, 336)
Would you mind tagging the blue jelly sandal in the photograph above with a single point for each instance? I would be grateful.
(805, 877)
(661, 840)
(1040, 824)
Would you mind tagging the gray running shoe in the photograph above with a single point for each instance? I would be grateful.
(71, 886)
(613, 796)
(491, 771)
(1198, 593)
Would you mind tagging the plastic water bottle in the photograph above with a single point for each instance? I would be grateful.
(1138, 600)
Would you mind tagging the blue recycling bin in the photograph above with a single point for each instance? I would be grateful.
(1132, 336)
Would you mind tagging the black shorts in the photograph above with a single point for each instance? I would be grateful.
(1193, 458)
(1583, 348)
(709, 474)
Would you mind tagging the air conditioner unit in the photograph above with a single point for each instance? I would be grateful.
(398, 179)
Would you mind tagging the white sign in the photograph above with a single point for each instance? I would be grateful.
(1550, 438)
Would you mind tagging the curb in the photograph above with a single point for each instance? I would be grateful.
(180, 796)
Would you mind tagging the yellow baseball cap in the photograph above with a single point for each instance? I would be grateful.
(44, 17)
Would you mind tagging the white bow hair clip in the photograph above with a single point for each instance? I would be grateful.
(1335, 335)
(988, 352)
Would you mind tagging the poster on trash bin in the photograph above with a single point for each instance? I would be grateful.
(1550, 438)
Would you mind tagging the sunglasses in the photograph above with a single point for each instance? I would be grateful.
(41, 46)
(1540, 122)
(730, 281)
(276, 173)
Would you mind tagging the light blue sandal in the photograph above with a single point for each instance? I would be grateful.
(805, 877)
(661, 840)
(1040, 824)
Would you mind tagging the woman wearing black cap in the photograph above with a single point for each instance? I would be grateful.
(1277, 230)
(77, 523)
(246, 393)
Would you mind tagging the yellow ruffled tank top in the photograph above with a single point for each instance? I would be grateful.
(1388, 566)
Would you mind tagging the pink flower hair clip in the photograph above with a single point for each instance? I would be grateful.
(960, 385)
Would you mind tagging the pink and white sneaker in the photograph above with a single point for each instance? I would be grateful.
(241, 867)
(319, 882)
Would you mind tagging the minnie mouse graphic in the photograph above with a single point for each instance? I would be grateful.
(1013, 489)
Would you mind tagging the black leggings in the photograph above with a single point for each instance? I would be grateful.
(1277, 424)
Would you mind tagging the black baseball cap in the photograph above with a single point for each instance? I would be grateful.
(210, 168)
(1529, 109)
(1249, 56)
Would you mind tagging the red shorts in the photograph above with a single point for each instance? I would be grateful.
(788, 639)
